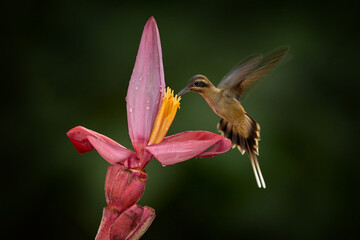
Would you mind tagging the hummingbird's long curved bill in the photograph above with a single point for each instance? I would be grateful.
(185, 90)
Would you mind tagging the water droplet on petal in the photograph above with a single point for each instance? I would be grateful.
(136, 88)
(130, 110)
(164, 165)
(147, 108)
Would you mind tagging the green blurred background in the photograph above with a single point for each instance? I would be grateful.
(68, 63)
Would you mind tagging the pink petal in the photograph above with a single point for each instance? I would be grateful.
(132, 223)
(123, 187)
(108, 218)
(146, 86)
(111, 174)
(144, 223)
(186, 145)
(85, 140)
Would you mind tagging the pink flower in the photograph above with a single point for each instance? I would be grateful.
(144, 99)
(150, 112)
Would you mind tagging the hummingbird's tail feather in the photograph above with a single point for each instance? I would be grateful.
(252, 160)
(253, 135)
(227, 130)
(248, 143)
(257, 171)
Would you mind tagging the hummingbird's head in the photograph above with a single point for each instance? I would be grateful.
(198, 83)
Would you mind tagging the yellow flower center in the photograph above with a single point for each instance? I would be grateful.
(165, 117)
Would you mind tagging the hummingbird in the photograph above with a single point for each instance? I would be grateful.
(224, 100)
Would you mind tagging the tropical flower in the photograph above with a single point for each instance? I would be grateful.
(150, 111)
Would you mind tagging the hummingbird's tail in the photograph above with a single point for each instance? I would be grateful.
(248, 143)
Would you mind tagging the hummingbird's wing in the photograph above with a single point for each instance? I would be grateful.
(249, 70)
(241, 71)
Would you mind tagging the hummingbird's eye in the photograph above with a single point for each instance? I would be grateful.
(200, 84)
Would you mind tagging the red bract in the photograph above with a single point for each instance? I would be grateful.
(130, 224)
(149, 115)
(123, 187)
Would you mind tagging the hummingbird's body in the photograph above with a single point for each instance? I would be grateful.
(224, 100)
(226, 107)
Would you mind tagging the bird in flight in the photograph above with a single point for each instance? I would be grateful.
(224, 100)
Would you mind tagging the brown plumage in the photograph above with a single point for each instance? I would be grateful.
(224, 100)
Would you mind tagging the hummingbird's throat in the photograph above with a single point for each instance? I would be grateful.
(165, 117)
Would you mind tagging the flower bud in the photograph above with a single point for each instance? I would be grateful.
(123, 187)
(130, 224)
